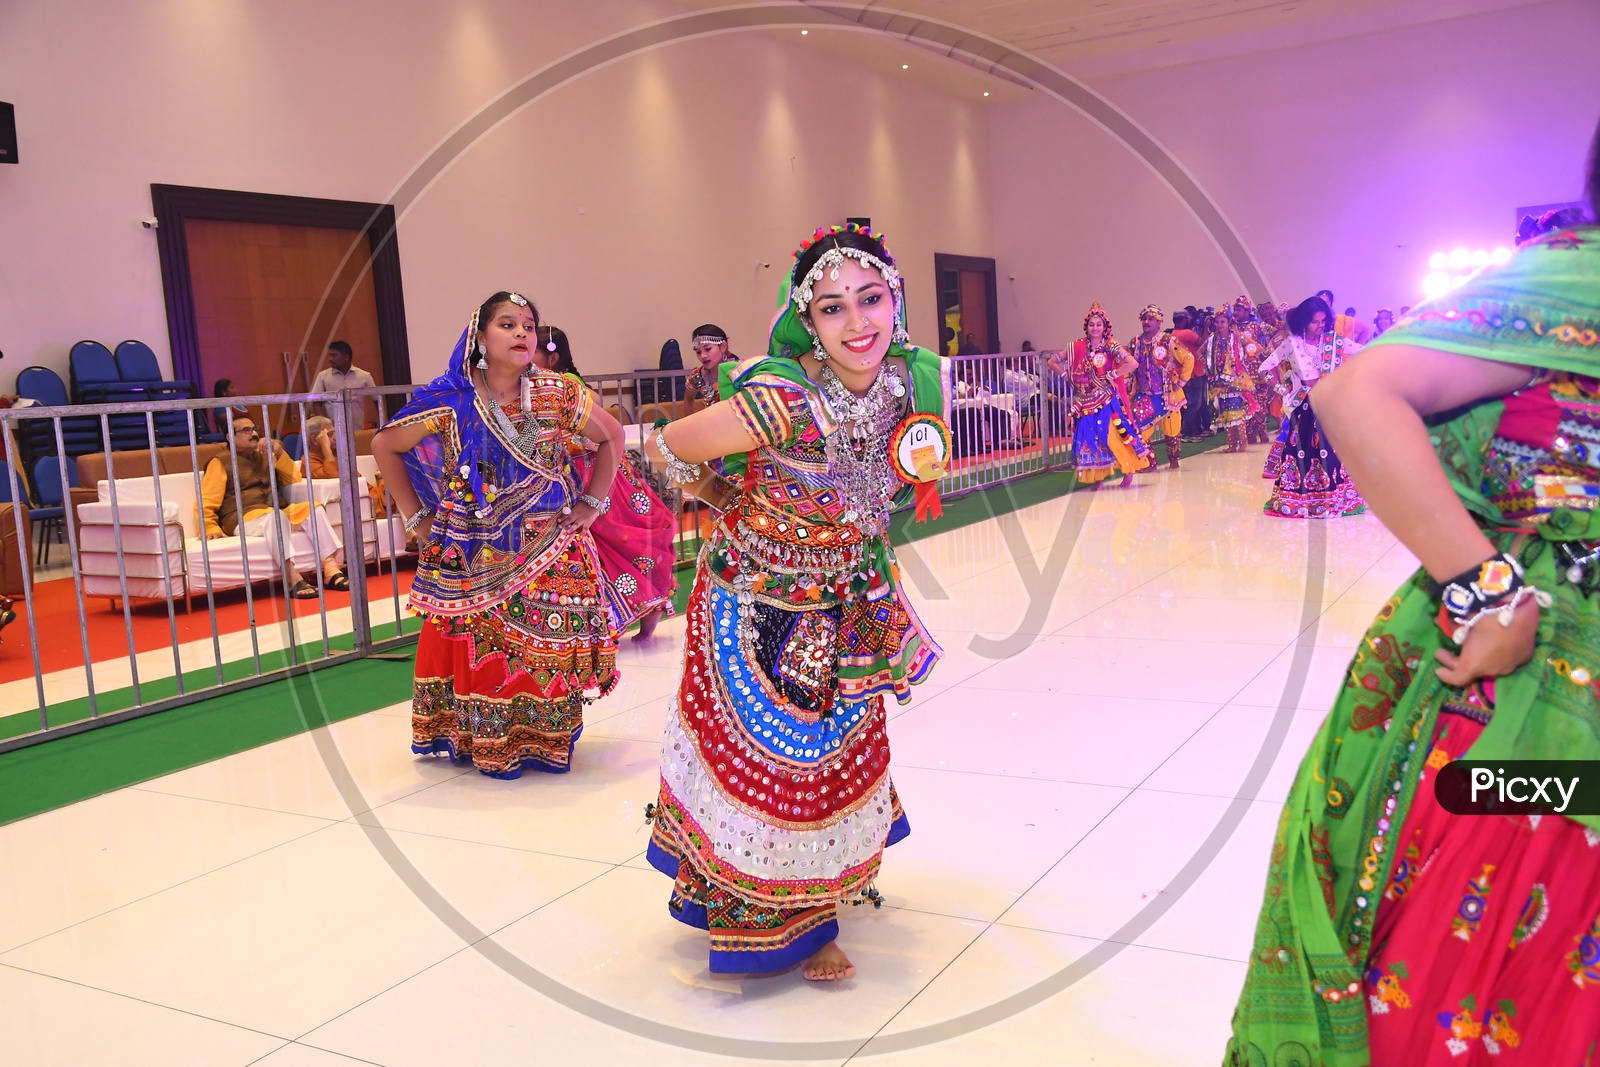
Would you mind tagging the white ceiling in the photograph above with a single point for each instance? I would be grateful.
(1092, 39)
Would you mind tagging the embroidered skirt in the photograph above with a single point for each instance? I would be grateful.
(775, 802)
(1486, 947)
(1103, 442)
(634, 540)
(1311, 482)
(503, 687)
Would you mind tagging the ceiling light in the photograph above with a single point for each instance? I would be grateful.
(804, 32)
(905, 66)
(985, 94)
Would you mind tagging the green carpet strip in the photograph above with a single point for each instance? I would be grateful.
(69, 769)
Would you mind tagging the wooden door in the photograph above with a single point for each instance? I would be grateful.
(967, 303)
(261, 290)
(975, 308)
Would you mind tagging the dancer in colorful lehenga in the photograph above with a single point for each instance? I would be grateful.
(634, 535)
(1310, 483)
(1164, 367)
(516, 623)
(1105, 438)
(1231, 389)
(776, 801)
(1393, 932)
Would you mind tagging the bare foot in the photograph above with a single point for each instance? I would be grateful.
(647, 627)
(1127, 480)
(827, 964)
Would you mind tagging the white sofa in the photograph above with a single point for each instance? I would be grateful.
(193, 564)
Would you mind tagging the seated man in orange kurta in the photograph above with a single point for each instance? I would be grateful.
(222, 500)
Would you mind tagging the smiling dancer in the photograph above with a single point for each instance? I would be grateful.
(508, 583)
(1393, 932)
(776, 803)
(1104, 436)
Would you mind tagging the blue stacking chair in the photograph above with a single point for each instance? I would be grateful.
(295, 446)
(137, 364)
(79, 434)
(50, 516)
(95, 380)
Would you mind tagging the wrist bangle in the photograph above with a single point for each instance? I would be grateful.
(600, 504)
(678, 471)
(415, 519)
(1496, 586)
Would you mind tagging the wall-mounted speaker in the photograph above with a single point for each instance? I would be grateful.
(8, 133)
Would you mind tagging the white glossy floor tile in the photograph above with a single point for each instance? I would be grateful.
(1092, 740)
(331, 773)
(1141, 1008)
(288, 939)
(1129, 860)
(595, 811)
(71, 864)
(1219, 758)
(55, 1023)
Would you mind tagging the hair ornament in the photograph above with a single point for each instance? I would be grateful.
(1094, 310)
(517, 299)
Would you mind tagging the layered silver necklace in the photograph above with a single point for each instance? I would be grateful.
(858, 454)
(525, 440)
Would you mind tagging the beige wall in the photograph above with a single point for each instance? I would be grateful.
(632, 204)
(1343, 164)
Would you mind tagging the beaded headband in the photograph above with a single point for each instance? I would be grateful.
(800, 293)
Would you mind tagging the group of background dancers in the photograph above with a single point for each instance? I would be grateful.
(1232, 371)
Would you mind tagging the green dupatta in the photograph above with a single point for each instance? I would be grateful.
(1304, 1002)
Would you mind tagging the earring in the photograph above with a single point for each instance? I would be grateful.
(817, 350)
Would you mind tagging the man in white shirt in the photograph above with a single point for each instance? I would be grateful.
(340, 375)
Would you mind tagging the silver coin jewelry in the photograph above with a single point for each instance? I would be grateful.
(857, 457)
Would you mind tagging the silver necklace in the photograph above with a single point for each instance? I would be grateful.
(525, 440)
(858, 455)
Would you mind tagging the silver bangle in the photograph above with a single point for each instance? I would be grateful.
(416, 518)
(601, 505)
(678, 471)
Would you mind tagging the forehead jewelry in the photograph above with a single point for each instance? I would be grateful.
(828, 263)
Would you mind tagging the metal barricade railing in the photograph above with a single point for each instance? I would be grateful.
(1010, 418)
(146, 540)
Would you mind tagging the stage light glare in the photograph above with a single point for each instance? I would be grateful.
(1460, 258)
(1438, 261)
(1435, 284)
(1480, 258)
(1501, 254)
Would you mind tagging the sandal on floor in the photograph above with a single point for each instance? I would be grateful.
(303, 590)
(337, 581)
